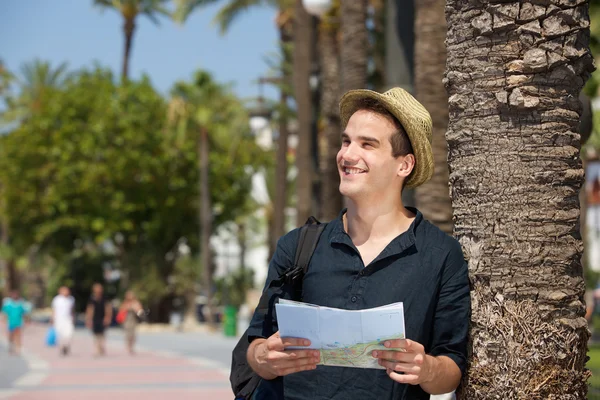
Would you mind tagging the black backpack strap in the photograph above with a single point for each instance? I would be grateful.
(243, 380)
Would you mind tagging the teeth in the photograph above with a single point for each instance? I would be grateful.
(353, 171)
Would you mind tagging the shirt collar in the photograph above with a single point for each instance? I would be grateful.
(396, 246)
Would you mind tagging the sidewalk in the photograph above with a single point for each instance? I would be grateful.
(148, 375)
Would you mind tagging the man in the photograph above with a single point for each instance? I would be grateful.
(14, 310)
(98, 316)
(62, 318)
(377, 252)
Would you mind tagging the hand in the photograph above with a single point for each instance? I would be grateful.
(272, 358)
(408, 363)
(106, 322)
(88, 324)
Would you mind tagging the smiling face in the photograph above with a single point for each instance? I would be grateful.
(365, 161)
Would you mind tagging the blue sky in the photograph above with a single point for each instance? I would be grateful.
(79, 33)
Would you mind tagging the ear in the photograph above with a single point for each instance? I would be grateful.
(406, 165)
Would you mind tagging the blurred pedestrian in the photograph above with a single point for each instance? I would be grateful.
(98, 316)
(14, 310)
(131, 311)
(63, 306)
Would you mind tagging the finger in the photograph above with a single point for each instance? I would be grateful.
(401, 367)
(287, 371)
(393, 355)
(288, 342)
(403, 378)
(405, 344)
(293, 355)
(298, 354)
(275, 343)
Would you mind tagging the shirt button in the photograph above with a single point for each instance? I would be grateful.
(353, 299)
(362, 273)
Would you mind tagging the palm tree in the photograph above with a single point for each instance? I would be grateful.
(208, 110)
(514, 74)
(433, 198)
(329, 53)
(129, 10)
(354, 46)
(37, 79)
(302, 62)
(291, 14)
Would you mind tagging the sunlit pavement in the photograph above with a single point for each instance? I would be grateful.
(147, 375)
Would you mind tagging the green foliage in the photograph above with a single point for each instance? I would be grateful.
(130, 9)
(102, 160)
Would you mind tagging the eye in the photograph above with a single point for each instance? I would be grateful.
(345, 142)
(367, 145)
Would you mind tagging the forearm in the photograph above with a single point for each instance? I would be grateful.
(254, 363)
(444, 376)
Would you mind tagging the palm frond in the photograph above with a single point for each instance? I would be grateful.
(232, 10)
(184, 8)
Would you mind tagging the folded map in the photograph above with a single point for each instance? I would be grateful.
(345, 338)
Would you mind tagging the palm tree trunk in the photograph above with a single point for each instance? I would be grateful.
(281, 171)
(331, 198)
(303, 37)
(433, 198)
(8, 263)
(205, 222)
(354, 48)
(128, 29)
(514, 73)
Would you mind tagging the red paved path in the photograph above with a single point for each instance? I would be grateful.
(117, 376)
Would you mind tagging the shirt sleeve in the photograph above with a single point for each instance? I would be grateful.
(283, 258)
(453, 311)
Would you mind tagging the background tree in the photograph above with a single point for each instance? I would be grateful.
(514, 74)
(130, 10)
(225, 17)
(433, 197)
(329, 53)
(85, 187)
(354, 45)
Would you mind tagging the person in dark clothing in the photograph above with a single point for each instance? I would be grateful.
(98, 316)
(376, 252)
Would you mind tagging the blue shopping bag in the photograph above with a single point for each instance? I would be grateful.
(51, 337)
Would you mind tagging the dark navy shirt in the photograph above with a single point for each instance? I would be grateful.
(423, 267)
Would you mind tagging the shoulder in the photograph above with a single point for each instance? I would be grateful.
(442, 247)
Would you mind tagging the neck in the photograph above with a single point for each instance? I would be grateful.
(375, 223)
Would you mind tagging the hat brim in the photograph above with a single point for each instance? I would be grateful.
(408, 117)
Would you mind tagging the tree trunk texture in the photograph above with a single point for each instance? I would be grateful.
(205, 223)
(331, 198)
(128, 29)
(10, 268)
(281, 163)
(514, 73)
(355, 45)
(303, 37)
(433, 197)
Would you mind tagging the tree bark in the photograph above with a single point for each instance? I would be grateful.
(303, 37)
(354, 48)
(128, 29)
(10, 269)
(205, 221)
(281, 163)
(433, 197)
(514, 73)
(331, 198)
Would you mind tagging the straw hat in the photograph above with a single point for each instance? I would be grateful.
(412, 115)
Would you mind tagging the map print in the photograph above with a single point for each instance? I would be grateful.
(345, 337)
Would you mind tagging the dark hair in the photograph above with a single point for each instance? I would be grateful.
(401, 145)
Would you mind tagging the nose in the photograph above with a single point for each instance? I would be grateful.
(350, 154)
